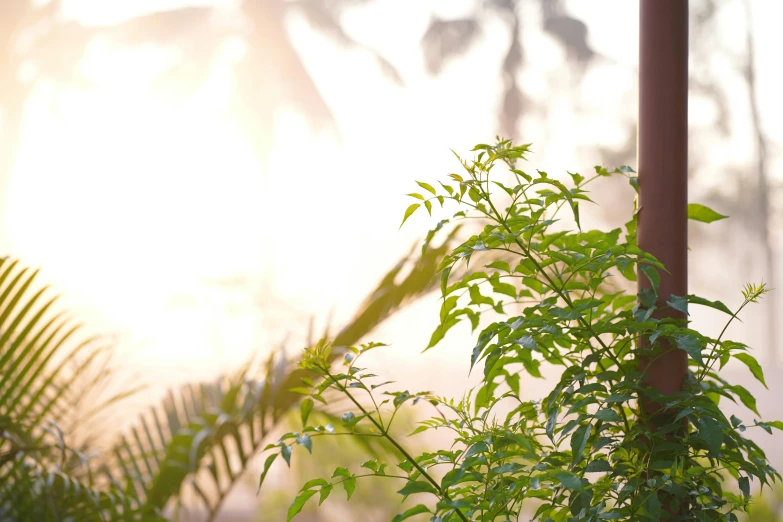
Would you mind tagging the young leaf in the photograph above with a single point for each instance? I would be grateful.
(267, 464)
(315, 482)
(416, 486)
(285, 451)
(410, 210)
(307, 407)
(305, 440)
(427, 187)
(415, 510)
(350, 486)
(324, 493)
(299, 503)
(753, 365)
(717, 305)
(704, 214)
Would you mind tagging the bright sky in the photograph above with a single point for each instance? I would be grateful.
(147, 204)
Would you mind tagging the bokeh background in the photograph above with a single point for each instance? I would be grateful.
(208, 181)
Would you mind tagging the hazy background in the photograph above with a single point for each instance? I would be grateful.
(201, 179)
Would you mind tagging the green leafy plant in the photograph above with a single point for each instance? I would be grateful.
(602, 444)
(53, 381)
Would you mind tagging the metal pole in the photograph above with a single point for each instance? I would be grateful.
(663, 165)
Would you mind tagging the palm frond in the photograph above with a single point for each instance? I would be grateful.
(202, 437)
(41, 353)
(43, 364)
(39, 483)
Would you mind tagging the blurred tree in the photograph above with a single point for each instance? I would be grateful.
(270, 74)
(446, 40)
(763, 206)
(37, 43)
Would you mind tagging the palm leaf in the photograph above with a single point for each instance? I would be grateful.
(202, 437)
(38, 483)
(43, 362)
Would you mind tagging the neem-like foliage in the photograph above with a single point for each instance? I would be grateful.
(563, 297)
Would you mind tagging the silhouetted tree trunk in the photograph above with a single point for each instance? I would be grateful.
(762, 185)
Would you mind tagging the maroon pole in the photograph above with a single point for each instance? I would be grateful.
(663, 164)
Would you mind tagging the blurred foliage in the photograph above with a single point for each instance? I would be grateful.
(446, 40)
(768, 506)
(201, 438)
(52, 380)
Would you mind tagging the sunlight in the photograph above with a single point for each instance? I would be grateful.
(164, 194)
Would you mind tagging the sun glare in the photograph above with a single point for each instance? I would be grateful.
(134, 196)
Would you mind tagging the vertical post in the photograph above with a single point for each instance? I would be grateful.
(663, 165)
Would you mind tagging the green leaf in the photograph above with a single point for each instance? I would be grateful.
(527, 341)
(654, 505)
(477, 298)
(500, 265)
(753, 365)
(416, 486)
(579, 441)
(408, 212)
(569, 480)
(648, 297)
(307, 407)
(350, 486)
(704, 214)
(551, 421)
(299, 503)
(479, 447)
(745, 396)
(775, 424)
(315, 482)
(744, 485)
(608, 415)
(717, 305)
(678, 303)
(341, 472)
(324, 493)
(426, 186)
(503, 288)
(710, 431)
(598, 466)
(267, 464)
(305, 440)
(285, 451)
(652, 274)
(691, 345)
(416, 510)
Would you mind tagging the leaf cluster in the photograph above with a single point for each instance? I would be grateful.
(602, 444)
